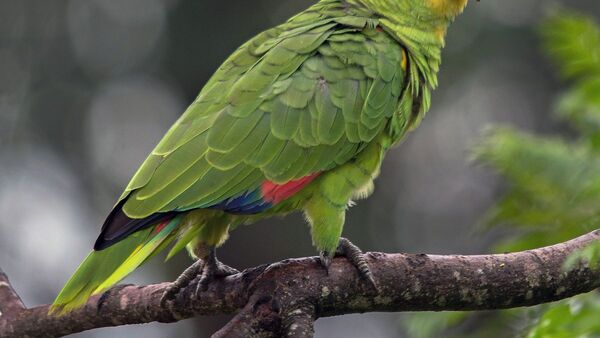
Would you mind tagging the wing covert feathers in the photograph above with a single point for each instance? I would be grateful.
(298, 99)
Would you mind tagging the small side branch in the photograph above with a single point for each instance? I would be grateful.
(10, 302)
(286, 298)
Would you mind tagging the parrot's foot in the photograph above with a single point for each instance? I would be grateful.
(208, 269)
(354, 255)
(211, 270)
(182, 281)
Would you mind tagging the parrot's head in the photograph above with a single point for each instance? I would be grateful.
(445, 8)
(418, 12)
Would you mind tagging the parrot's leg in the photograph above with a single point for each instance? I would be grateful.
(213, 269)
(208, 268)
(326, 208)
(203, 249)
(355, 255)
(182, 281)
(327, 221)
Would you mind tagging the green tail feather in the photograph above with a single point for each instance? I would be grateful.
(103, 269)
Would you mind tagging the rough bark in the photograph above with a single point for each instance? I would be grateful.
(288, 296)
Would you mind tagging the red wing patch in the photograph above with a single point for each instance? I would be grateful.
(161, 225)
(275, 193)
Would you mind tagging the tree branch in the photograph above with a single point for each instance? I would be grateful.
(286, 297)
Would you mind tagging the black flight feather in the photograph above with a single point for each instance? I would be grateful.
(118, 225)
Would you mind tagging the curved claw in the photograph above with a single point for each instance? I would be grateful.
(207, 269)
(355, 256)
(181, 282)
(226, 270)
(211, 270)
(326, 259)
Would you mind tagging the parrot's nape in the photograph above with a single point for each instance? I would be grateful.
(298, 118)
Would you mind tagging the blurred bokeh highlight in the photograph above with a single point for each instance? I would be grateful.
(87, 88)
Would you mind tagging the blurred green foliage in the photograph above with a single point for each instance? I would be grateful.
(553, 193)
(589, 256)
(576, 317)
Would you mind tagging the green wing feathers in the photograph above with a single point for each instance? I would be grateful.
(301, 98)
(103, 269)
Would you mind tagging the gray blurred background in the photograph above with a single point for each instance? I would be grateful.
(88, 87)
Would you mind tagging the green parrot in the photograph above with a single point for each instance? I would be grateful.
(298, 118)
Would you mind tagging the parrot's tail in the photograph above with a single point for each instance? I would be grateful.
(103, 269)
